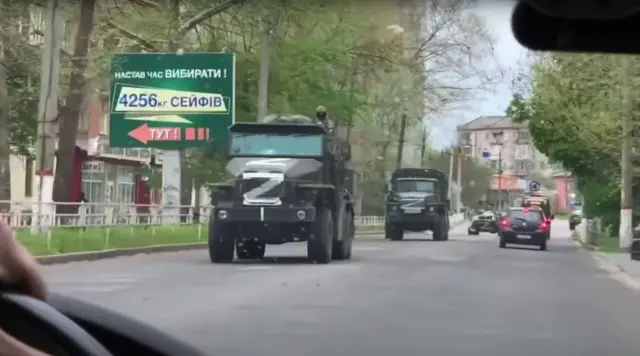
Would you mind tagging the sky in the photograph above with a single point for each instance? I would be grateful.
(509, 52)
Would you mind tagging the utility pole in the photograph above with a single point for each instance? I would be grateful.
(451, 163)
(423, 148)
(48, 108)
(459, 176)
(403, 124)
(626, 212)
(265, 54)
(498, 137)
(500, 179)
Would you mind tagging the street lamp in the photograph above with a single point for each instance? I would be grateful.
(499, 137)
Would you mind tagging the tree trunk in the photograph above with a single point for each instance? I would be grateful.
(5, 149)
(70, 117)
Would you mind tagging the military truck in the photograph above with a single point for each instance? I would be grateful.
(416, 200)
(288, 181)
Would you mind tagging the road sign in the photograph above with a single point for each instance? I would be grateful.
(171, 101)
(534, 186)
(486, 154)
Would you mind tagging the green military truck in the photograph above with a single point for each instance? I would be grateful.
(416, 201)
(287, 182)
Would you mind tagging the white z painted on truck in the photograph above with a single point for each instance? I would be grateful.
(253, 197)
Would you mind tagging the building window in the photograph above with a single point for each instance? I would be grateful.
(494, 164)
(523, 166)
(125, 182)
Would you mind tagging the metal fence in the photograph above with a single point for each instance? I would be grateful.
(26, 215)
(34, 215)
(595, 231)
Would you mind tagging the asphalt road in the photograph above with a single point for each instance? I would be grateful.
(414, 298)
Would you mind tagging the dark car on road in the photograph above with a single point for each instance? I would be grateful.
(524, 226)
(486, 221)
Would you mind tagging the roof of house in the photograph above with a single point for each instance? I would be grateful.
(491, 123)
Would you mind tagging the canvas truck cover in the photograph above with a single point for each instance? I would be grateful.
(278, 127)
(440, 176)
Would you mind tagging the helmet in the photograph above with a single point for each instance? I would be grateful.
(321, 109)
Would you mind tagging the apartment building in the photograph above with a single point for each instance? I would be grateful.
(507, 148)
(502, 143)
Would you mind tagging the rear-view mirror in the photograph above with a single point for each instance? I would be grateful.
(540, 32)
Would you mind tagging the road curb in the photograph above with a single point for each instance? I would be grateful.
(615, 271)
(123, 252)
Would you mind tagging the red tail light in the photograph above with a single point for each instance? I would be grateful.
(544, 225)
(504, 223)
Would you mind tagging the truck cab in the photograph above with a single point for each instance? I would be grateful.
(416, 201)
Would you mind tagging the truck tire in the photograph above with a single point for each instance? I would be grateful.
(342, 248)
(572, 226)
(394, 233)
(439, 233)
(320, 245)
(221, 242)
(250, 249)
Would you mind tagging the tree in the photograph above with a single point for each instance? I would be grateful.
(573, 112)
(476, 177)
(70, 115)
(18, 82)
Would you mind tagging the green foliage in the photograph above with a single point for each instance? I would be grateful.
(21, 61)
(476, 178)
(573, 112)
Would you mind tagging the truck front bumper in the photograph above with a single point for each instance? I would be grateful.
(266, 214)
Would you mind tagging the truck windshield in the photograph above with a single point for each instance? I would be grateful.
(273, 144)
(416, 185)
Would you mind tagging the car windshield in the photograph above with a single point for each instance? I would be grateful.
(271, 144)
(280, 236)
(416, 185)
(527, 215)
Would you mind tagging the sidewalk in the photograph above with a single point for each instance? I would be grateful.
(620, 267)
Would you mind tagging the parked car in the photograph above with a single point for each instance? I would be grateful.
(486, 221)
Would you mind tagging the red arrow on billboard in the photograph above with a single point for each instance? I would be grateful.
(144, 133)
(141, 133)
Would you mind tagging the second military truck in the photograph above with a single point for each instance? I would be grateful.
(416, 200)
(288, 182)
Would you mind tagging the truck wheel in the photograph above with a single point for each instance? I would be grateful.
(250, 249)
(221, 242)
(438, 231)
(342, 249)
(395, 233)
(320, 245)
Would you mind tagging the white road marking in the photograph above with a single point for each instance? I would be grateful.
(254, 268)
